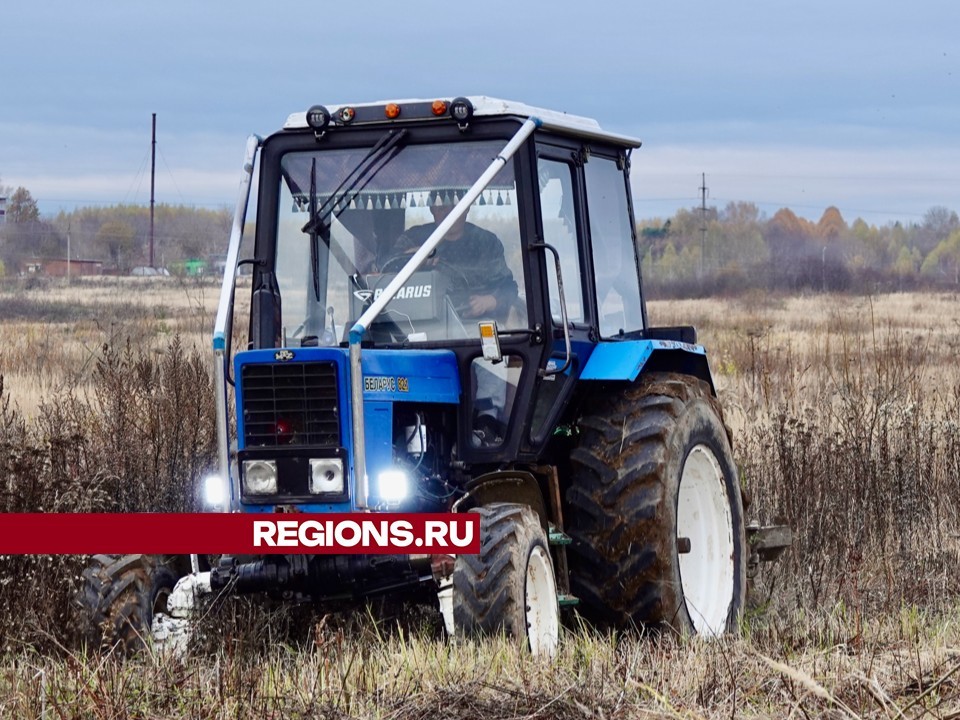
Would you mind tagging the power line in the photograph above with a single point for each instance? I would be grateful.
(703, 219)
(136, 177)
(153, 173)
(169, 171)
(81, 203)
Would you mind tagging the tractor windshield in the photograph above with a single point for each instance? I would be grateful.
(349, 219)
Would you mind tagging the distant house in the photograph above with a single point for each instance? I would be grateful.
(58, 267)
(61, 267)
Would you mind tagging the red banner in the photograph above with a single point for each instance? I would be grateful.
(239, 533)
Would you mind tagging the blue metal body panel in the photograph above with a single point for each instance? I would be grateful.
(390, 376)
(580, 349)
(624, 360)
(430, 376)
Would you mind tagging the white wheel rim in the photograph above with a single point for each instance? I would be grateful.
(703, 516)
(543, 615)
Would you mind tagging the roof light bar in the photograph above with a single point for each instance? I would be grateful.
(318, 117)
(461, 110)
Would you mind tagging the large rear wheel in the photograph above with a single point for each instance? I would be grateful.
(655, 510)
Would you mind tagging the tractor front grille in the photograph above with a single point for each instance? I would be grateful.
(290, 404)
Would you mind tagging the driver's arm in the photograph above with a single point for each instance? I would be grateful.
(499, 290)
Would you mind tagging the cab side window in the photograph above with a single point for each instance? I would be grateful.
(557, 206)
(614, 251)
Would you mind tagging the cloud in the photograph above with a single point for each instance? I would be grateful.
(101, 166)
(188, 187)
(880, 184)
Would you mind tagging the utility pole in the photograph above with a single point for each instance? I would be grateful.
(153, 175)
(703, 219)
(68, 253)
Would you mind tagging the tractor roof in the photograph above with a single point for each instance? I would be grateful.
(482, 107)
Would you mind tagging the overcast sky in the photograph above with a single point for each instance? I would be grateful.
(801, 104)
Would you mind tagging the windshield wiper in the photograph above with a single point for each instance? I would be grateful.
(320, 222)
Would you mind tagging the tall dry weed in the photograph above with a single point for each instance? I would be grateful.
(138, 441)
(863, 465)
(154, 426)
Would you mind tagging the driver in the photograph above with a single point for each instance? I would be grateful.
(476, 258)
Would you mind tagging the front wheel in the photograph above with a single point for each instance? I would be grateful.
(655, 510)
(121, 595)
(509, 586)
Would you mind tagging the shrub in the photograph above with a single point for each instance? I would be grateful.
(138, 442)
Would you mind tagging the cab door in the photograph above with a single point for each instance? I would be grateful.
(561, 215)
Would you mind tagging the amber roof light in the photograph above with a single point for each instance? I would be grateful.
(392, 111)
(439, 107)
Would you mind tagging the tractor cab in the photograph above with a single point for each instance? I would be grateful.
(531, 261)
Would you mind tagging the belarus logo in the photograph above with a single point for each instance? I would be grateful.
(283, 355)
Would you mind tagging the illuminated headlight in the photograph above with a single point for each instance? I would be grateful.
(260, 477)
(394, 485)
(214, 491)
(326, 476)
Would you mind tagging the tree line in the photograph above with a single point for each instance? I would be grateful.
(118, 236)
(737, 247)
(693, 252)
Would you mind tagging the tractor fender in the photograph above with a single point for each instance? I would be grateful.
(628, 359)
(505, 486)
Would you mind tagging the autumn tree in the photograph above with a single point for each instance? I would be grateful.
(938, 223)
(792, 250)
(944, 260)
(869, 248)
(835, 250)
(737, 238)
(24, 234)
(116, 238)
(22, 208)
(832, 226)
(907, 262)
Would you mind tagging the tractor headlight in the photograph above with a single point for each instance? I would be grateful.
(326, 476)
(394, 486)
(214, 491)
(260, 477)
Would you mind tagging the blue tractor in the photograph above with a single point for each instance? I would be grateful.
(446, 316)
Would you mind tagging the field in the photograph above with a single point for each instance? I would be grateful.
(846, 419)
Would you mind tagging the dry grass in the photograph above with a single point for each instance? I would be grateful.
(51, 332)
(896, 667)
(846, 417)
(778, 347)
